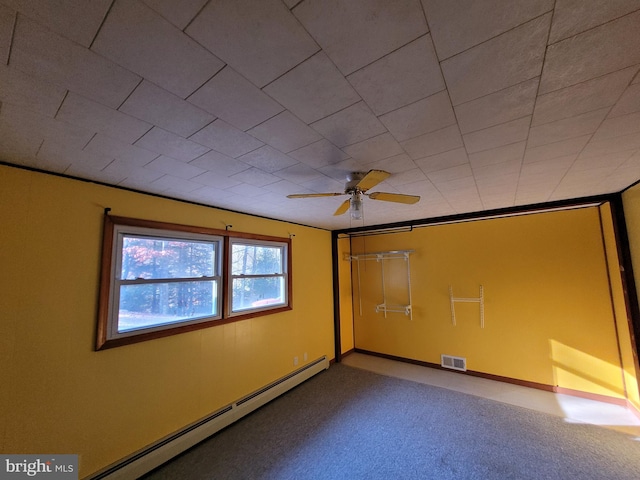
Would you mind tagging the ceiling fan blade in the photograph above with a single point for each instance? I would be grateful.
(343, 207)
(394, 197)
(371, 179)
(310, 195)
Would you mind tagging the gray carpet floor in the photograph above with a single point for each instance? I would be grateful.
(347, 423)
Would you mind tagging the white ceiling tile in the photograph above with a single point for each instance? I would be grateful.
(451, 173)
(58, 157)
(592, 53)
(235, 100)
(613, 160)
(313, 90)
(324, 184)
(574, 16)
(220, 164)
(566, 128)
(41, 53)
(133, 35)
(268, 159)
(444, 160)
(583, 97)
(170, 184)
(178, 13)
(400, 78)
(255, 176)
(503, 61)
(82, 112)
(351, 125)
(319, 154)
(104, 145)
(77, 20)
(29, 92)
(511, 167)
(355, 33)
(226, 139)
(153, 104)
(572, 146)
(461, 25)
(86, 170)
(396, 164)
(409, 176)
(618, 126)
(502, 154)
(285, 132)
(174, 167)
(246, 190)
(628, 103)
(498, 135)
(7, 21)
(216, 179)
(496, 108)
(424, 116)
(434, 142)
(260, 40)
(374, 148)
(167, 143)
(299, 173)
(135, 177)
(611, 145)
(284, 187)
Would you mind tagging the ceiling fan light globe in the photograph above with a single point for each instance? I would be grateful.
(356, 207)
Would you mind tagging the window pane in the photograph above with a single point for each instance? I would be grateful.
(147, 305)
(151, 258)
(255, 259)
(257, 292)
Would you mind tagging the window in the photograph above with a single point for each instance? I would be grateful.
(160, 279)
(258, 275)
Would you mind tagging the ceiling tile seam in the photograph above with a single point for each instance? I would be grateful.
(66, 94)
(411, 103)
(296, 66)
(197, 14)
(457, 122)
(591, 79)
(498, 35)
(535, 102)
(142, 79)
(594, 27)
(346, 76)
(581, 150)
(13, 35)
(104, 19)
(496, 91)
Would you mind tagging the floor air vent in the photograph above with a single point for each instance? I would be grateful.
(455, 363)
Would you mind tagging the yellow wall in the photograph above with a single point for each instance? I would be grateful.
(548, 311)
(60, 396)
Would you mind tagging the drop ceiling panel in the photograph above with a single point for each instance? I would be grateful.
(354, 33)
(404, 76)
(503, 61)
(235, 100)
(236, 104)
(458, 26)
(424, 116)
(159, 107)
(137, 38)
(77, 20)
(41, 53)
(313, 90)
(260, 40)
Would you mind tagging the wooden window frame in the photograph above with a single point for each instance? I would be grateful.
(106, 314)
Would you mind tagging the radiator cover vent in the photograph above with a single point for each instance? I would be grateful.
(454, 363)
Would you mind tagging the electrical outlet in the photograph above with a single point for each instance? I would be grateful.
(304, 357)
(295, 361)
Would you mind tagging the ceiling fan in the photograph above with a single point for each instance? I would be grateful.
(358, 183)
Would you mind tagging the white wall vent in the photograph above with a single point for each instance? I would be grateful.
(455, 363)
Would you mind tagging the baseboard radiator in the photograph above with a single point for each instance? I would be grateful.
(158, 453)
